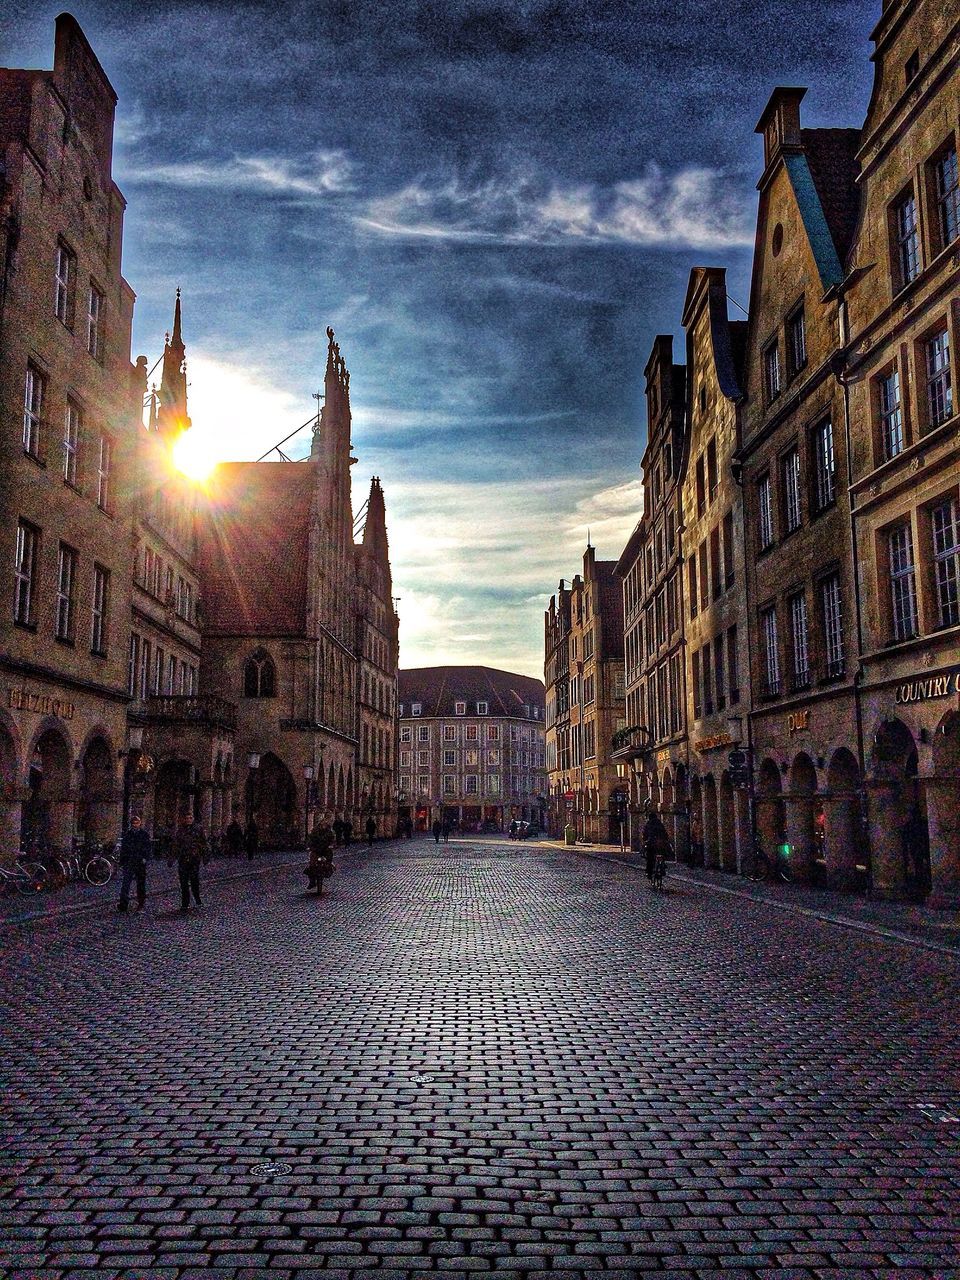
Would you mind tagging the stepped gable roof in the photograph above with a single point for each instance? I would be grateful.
(254, 540)
(438, 688)
(832, 157)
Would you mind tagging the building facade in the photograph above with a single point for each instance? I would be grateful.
(68, 413)
(471, 748)
(806, 762)
(902, 295)
(585, 696)
(651, 751)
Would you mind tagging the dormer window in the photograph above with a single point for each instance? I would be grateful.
(416, 708)
(481, 708)
(460, 708)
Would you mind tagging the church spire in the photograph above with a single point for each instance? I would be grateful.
(172, 416)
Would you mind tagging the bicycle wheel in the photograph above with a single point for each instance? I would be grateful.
(784, 871)
(32, 878)
(761, 867)
(98, 870)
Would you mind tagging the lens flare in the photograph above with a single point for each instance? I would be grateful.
(195, 455)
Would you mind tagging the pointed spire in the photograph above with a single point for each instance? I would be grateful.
(172, 415)
(177, 340)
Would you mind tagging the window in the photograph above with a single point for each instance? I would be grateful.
(493, 732)
(481, 708)
(891, 414)
(416, 709)
(406, 733)
(729, 571)
(133, 665)
(907, 239)
(733, 673)
(473, 733)
(71, 440)
(66, 579)
(423, 733)
(460, 708)
(259, 676)
(25, 573)
(98, 613)
(830, 601)
(697, 703)
(946, 561)
(903, 587)
(772, 373)
(798, 637)
(33, 395)
(493, 784)
(423, 759)
(103, 473)
(911, 68)
(449, 757)
(692, 584)
(716, 580)
(712, 467)
(701, 489)
(796, 340)
(791, 491)
(66, 275)
(171, 673)
(424, 784)
(718, 671)
(704, 576)
(939, 390)
(771, 655)
(824, 465)
(95, 322)
(947, 196)
(449, 784)
(470, 787)
(449, 733)
(707, 681)
(765, 512)
(158, 664)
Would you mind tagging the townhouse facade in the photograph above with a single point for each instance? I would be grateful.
(471, 748)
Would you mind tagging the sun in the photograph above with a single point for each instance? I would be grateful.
(195, 455)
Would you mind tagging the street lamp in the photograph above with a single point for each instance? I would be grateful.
(307, 786)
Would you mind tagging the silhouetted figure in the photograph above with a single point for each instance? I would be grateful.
(134, 852)
(251, 839)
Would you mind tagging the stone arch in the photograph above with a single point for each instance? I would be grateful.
(727, 824)
(802, 809)
(97, 803)
(275, 805)
(843, 844)
(770, 811)
(10, 789)
(173, 797)
(899, 828)
(943, 809)
(47, 812)
(711, 825)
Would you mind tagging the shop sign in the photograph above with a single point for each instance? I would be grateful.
(931, 687)
(797, 721)
(41, 703)
(663, 757)
(710, 744)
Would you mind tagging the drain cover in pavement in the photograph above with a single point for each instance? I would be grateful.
(270, 1168)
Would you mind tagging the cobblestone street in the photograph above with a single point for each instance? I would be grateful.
(477, 1057)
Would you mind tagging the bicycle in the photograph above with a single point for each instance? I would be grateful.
(100, 868)
(659, 871)
(762, 867)
(23, 877)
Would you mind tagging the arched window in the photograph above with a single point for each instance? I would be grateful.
(259, 676)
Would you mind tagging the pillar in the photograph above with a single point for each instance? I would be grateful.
(799, 814)
(943, 818)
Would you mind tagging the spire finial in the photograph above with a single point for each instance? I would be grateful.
(177, 340)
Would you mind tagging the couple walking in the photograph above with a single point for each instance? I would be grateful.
(189, 849)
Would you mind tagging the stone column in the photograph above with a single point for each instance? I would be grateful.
(886, 838)
(799, 812)
(943, 820)
(841, 812)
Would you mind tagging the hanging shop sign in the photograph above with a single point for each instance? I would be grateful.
(710, 744)
(41, 703)
(929, 687)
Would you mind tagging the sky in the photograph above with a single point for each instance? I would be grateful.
(495, 205)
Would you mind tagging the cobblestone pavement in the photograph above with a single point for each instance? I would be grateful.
(477, 1058)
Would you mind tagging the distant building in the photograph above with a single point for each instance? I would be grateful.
(471, 747)
(583, 667)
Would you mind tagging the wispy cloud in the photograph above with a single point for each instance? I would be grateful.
(323, 173)
(696, 207)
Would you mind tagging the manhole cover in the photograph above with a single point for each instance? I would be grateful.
(270, 1169)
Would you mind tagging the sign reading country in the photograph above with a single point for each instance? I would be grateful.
(930, 687)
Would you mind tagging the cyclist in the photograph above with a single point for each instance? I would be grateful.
(655, 840)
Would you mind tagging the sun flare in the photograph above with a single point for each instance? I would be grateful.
(195, 455)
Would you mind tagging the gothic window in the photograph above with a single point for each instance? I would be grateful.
(259, 676)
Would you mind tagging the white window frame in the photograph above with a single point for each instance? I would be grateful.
(945, 531)
(831, 602)
(104, 461)
(98, 609)
(771, 650)
(65, 614)
(907, 235)
(799, 635)
(72, 427)
(825, 464)
(891, 414)
(25, 572)
(903, 583)
(947, 196)
(65, 274)
(33, 396)
(936, 359)
(95, 321)
(790, 471)
(765, 511)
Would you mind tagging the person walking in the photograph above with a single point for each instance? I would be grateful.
(134, 852)
(371, 830)
(234, 839)
(321, 855)
(436, 829)
(189, 847)
(251, 838)
(655, 840)
(446, 833)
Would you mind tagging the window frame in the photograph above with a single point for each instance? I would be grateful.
(772, 370)
(72, 418)
(95, 321)
(800, 671)
(906, 574)
(796, 323)
(824, 458)
(65, 283)
(34, 396)
(26, 565)
(939, 376)
(890, 416)
(765, 531)
(791, 480)
(945, 559)
(906, 248)
(105, 473)
(65, 600)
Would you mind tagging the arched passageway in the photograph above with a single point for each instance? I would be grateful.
(844, 852)
(274, 803)
(899, 831)
(48, 808)
(98, 801)
(770, 812)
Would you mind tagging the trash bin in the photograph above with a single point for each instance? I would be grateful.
(569, 835)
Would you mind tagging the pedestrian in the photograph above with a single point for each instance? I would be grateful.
(655, 840)
(436, 829)
(321, 855)
(234, 839)
(446, 833)
(371, 830)
(189, 848)
(251, 838)
(134, 852)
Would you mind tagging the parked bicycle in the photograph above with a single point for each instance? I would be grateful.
(762, 867)
(24, 877)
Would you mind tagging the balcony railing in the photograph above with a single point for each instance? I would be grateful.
(191, 709)
(629, 743)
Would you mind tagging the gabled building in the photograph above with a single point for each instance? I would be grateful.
(650, 752)
(794, 457)
(902, 299)
(716, 670)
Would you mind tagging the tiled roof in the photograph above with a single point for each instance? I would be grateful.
(254, 540)
(439, 688)
(832, 157)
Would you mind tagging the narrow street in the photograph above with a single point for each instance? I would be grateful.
(476, 1057)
